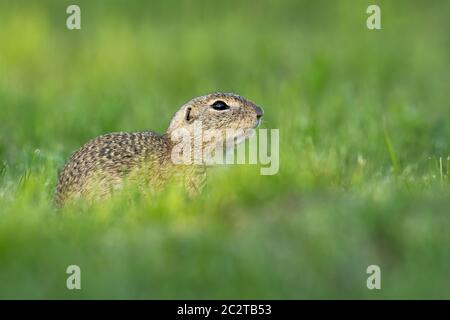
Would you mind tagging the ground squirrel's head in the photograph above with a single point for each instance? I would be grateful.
(210, 120)
(217, 111)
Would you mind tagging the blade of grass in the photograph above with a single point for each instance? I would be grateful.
(391, 150)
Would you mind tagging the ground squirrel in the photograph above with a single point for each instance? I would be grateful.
(104, 163)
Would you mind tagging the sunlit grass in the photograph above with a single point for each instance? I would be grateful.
(364, 150)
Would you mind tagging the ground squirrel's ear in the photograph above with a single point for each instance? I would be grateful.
(187, 114)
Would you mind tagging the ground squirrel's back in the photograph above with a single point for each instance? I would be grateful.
(109, 158)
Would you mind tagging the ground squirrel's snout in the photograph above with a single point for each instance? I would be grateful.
(259, 112)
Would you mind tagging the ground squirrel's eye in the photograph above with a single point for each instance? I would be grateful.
(188, 116)
(220, 105)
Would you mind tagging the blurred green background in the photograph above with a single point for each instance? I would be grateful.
(364, 144)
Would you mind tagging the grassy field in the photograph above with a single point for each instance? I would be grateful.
(364, 145)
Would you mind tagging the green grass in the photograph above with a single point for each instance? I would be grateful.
(364, 145)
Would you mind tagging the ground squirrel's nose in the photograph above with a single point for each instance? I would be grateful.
(259, 112)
